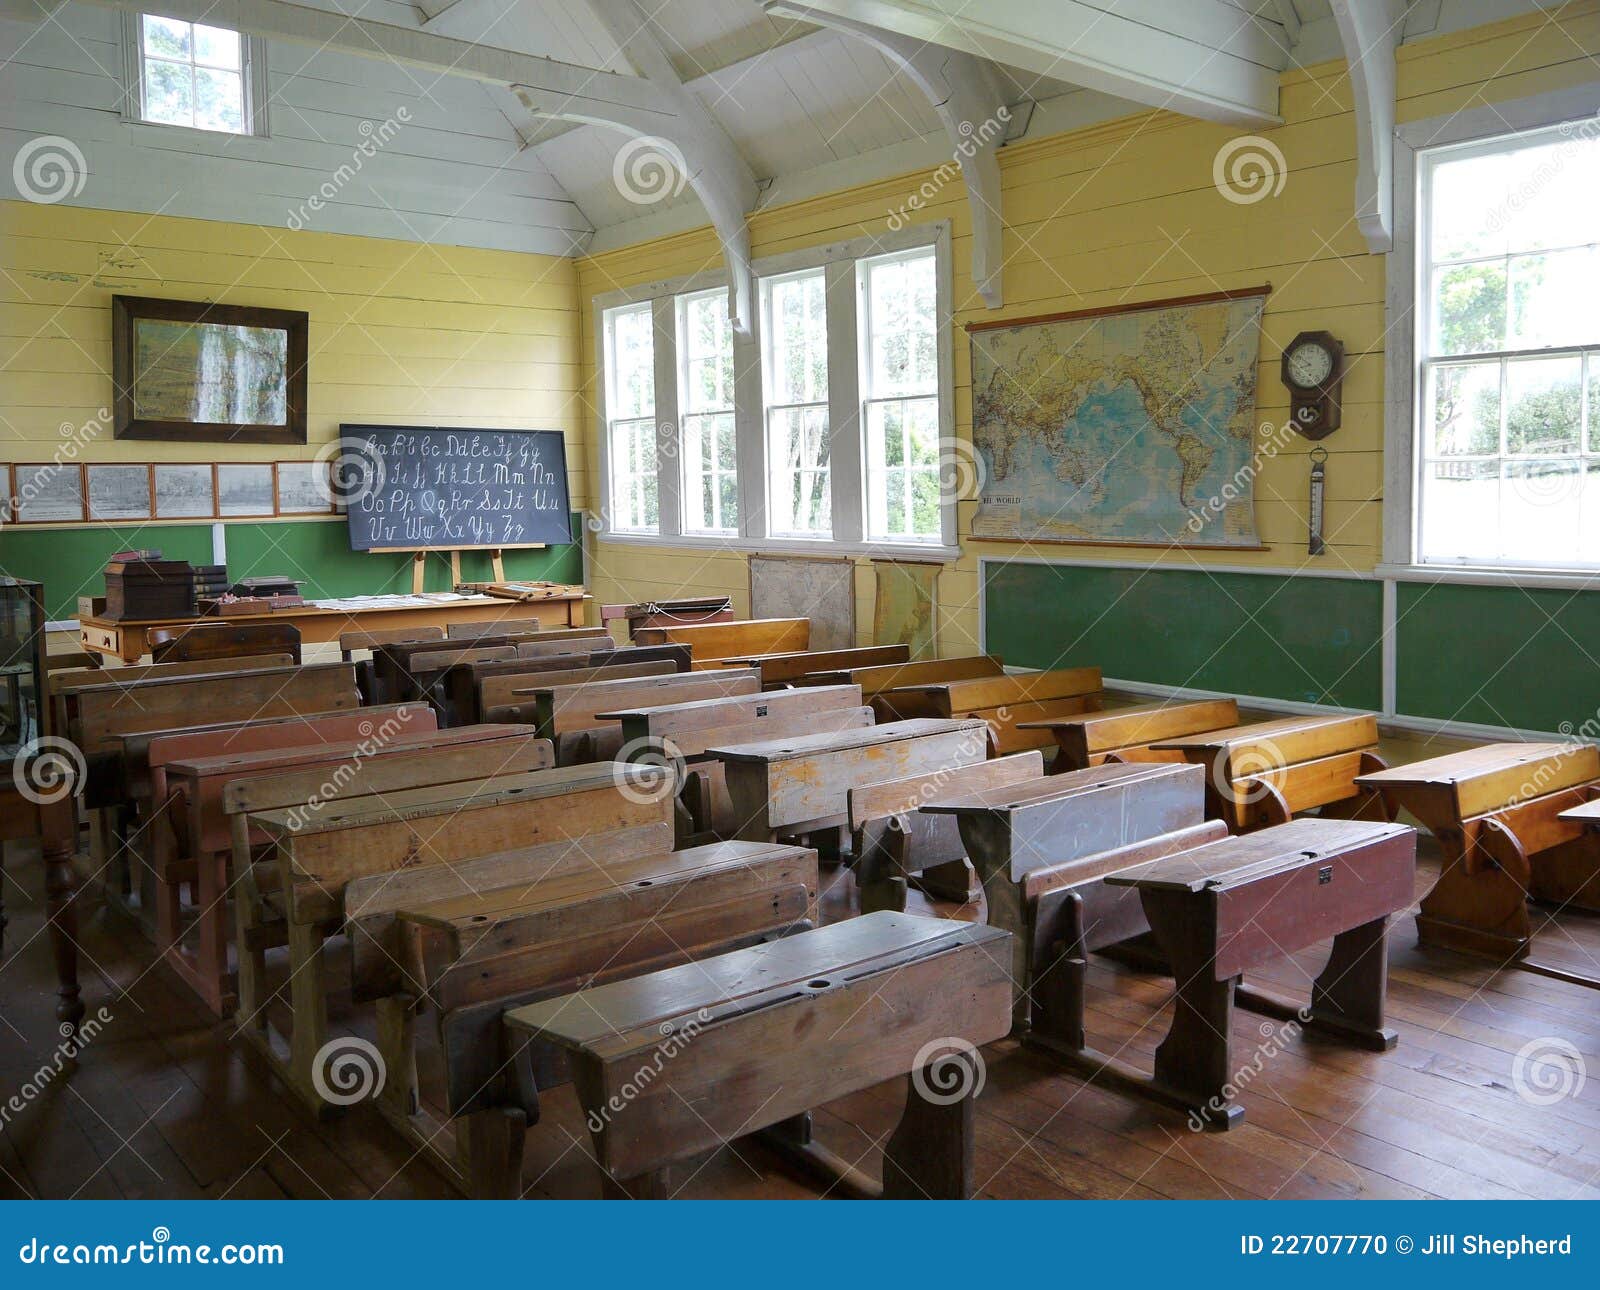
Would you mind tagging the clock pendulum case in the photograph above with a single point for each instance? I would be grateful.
(1313, 369)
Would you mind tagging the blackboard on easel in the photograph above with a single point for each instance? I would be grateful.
(443, 488)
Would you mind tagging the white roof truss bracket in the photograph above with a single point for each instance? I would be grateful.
(1370, 31)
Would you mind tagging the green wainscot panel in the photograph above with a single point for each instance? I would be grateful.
(318, 553)
(1499, 656)
(71, 562)
(1302, 638)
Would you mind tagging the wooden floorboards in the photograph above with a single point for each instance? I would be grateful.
(162, 1104)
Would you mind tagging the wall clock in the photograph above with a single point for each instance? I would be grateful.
(1313, 369)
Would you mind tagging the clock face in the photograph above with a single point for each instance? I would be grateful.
(1310, 365)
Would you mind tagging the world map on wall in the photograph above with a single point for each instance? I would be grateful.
(1132, 427)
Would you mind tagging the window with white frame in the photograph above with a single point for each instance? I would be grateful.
(799, 490)
(1508, 446)
(706, 412)
(900, 396)
(631, 409)
(194, 74)
(843, 384)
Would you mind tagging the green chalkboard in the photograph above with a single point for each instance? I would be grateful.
(1303, 638)
(1500, 656)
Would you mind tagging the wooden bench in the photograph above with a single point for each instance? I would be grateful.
(314, 854)
(686, 732)
(787, 787)
(688, 612)
(461, 692)
(1509, 818)
(471, 939)
(392, 661)
(875, 680)
(513, 626)
(1127, 734)
(1229, 906)
(758, 1038)
(1006, 703)
(1020, 834)
(65, 686)
(710, 642)
(365, 643)
(505, 694)
(223, 640)
(789, 669)
(568, 713)
(895, 844)
(1268, 772)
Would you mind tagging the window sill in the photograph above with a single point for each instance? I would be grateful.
(786, 546)
(150, 131)
(1493, 576)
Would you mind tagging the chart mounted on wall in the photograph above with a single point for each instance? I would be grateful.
(1127, 426)
(443, 488)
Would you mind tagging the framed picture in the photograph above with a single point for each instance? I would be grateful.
(49, 492)
(244, 488)
(184, 492)
(119, 492)
(208, 373)
(305, 488)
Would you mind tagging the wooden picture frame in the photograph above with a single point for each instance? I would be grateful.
(302, 496)
(253, 487)
(125, 493)
(145, 411)
(49, 503)
(174, 484)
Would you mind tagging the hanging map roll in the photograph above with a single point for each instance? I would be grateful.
(1127, 426)
(905, 608)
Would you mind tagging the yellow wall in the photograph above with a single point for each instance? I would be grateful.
(399, 332)
(1127, 212)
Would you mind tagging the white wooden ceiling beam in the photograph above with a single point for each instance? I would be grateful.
(1370, 31)
(1204, 58)
(966, 94)
(720, 177)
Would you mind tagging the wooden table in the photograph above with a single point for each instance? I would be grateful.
(1503, 816)
(758, 1038)
(128, 639)
(1227, 907)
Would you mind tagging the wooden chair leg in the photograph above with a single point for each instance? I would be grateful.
(1348, 995)
(929, 1155)
(58, 830)
(308, 998)
(491, 1148)
(211, 960)
(250, 1006)
(398, 1051)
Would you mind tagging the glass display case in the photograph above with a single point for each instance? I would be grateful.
(22, 693)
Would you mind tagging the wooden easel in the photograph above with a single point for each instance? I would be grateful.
(419, 559)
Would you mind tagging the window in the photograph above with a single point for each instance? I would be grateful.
(1508, 442)
(631, 406)
(900, 396)
(705, 384)
(799, 499)
(820, 426)
(194, 75)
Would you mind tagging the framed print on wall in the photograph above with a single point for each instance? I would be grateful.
(49, 492)
(208, 373)
(244, 488)
(184, 491)
(305, 488)
(119, 492)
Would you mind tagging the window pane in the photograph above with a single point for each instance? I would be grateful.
(634, 486)
(633, 363)
(1551, 190)
(168, 92)
(798, 460)
(1465, 405)
(798, 340)
(903, 470)
(1543, 404)
(219, 103)
(216, 47)
(1467, 208)
(1461, 510)
(709, 486)
(902, 327)
(1540, 504)
(166, 37)
(1552, 299)
(1469, 308)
